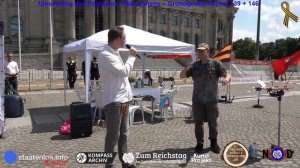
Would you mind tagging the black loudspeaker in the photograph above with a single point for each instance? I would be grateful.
(81, 120)
(13, 106)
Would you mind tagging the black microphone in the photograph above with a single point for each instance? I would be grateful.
(129, 46)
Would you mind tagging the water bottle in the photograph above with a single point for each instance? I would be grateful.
(252, 151)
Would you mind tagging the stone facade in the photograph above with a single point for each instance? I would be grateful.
(193, 25)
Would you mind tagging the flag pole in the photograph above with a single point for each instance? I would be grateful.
(290, 77)
(230, 72)
(272, 78)
(51, 47)
(258, 31)
(19, 36)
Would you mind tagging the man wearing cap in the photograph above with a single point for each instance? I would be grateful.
(206, 73)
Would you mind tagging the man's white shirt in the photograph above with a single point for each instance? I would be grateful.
(11, 68)
(114, 74)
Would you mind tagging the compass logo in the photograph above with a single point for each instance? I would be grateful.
(81, 158)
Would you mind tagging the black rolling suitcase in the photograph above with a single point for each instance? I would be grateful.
(81, 120)
(13, 106)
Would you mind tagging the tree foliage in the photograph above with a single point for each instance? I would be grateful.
(245, 48)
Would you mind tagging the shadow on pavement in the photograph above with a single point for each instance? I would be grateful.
(147, 117)
(48, 119)
(189, 120)
(60, 137)
(254, 160)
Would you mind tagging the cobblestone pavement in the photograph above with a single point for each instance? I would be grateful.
(36, 133)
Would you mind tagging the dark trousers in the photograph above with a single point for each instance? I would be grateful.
(72, 79)
(205, 112)
(94, 77)
(117, 129)
(11, 82)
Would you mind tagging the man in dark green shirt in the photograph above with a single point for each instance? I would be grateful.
(205, 74)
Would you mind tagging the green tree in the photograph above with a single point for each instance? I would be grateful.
(244, 48)
(266, 51)
(280, 49)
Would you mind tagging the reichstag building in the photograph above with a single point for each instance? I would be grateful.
(186, 21)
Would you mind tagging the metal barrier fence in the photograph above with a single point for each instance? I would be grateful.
(241, 74)
(30, 76)
(44, 74)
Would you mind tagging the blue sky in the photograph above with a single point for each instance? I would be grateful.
(271, 26)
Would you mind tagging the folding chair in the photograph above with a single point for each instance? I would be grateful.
(97, 94)
(79, 92)
(133, 108)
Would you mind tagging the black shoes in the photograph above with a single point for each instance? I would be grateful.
(214, 146)
(198, 148)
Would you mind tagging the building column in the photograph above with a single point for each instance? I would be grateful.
(207, 29)
(145, 18)
(129, 15)
(139, 17)
(70, 23)
(192, 28)
(202, 27)
(230, 29)
(105, 17)
(89, 20)
(170, 29)
(4, 18)
(112, 15)
(181, 29)
(27, 20)
(157, 21)
(215, 31)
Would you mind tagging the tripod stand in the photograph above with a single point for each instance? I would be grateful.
(224, 98)
(279, 94)
(258, 105)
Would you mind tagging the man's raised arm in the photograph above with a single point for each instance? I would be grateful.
(184, 71)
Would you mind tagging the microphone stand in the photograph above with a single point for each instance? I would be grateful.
(278, 93)
(258, 105)
(224, 98)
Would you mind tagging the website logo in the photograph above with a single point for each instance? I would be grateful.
(81, 158)
(128, 158)
(277, 153)
(10, 157)
(235, 154)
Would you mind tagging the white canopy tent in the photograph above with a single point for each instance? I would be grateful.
(144, 42)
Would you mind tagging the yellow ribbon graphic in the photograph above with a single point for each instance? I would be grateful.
(288, 14)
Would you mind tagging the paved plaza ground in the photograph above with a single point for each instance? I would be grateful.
(36, 133)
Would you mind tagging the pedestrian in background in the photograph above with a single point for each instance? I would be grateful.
(71, 65)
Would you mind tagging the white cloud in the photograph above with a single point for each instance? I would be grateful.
(241, 34)
(271, 27)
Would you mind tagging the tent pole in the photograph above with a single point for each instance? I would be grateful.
(143, 70)
(64, 74)
(87, 59)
